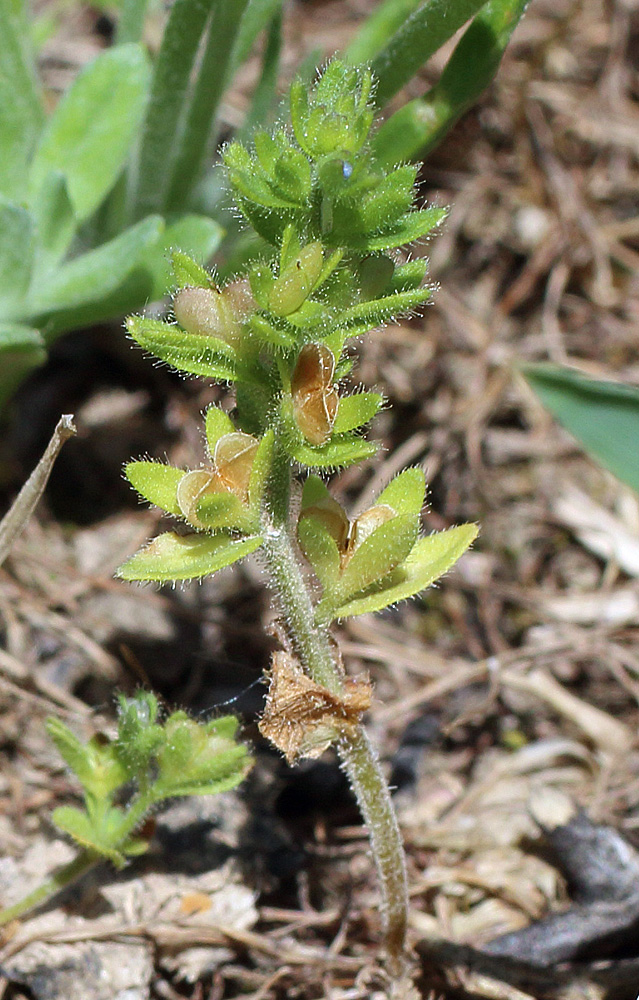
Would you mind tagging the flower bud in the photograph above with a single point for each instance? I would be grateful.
(315, 399)
(296, 281)
(207, 313)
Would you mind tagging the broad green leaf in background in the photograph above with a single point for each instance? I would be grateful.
(21, 349)
(55, 223)
(186, 557)
(430, 558)
(422, 123)
(88, 136)
(21, 112)
(16, 257)
(94, 275)
(603, 416)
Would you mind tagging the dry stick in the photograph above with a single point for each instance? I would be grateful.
(27, 499)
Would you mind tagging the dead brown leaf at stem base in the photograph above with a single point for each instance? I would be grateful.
(302, 718)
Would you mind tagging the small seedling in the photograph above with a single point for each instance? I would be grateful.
(124, 779)
(331, 222)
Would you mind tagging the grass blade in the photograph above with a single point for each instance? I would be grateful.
(212, 78)
(383, 22)
(420, 36)
(25, 503)
(165, 111)
(421, 124)
(265, 91)
(603, 416)
(131, 21)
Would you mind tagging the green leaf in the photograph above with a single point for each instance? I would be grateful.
(157, 483)
(186, 557)
(167, 104)
(383, 21)
(21, 113)
(81, 827)
(73, 752)
(214, 69)
(411, 227)
(337, 453)
(55, 222)
(421, 124)
(223, 510)
(603, 416)
(16, 257)
(217, 423)
(187, 272)
(187, 352)
(366, 315)
(89, 135)
(430, 558)
(405, 493)
(195, 235)
(355, 411)
(425, 31)
(21, 349)
(92, 277)
(320, 548)
(262, 465)
(255, 18)
(378, 554)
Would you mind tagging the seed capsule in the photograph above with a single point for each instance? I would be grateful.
(364, 526)
(234, 456)
(192, 487)
(204, 311)
(296, 281)
(315, 399)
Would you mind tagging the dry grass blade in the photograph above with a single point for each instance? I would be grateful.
(27, 499)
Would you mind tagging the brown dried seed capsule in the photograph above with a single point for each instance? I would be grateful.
(315, 400)
(333, 517)
(234, 456)
(206, 312)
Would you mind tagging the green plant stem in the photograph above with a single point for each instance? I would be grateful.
(60, 880)
(313, 645)
(371, 790)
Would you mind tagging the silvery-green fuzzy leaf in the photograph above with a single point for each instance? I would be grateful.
(16, 257)
(157, 483)
(78, 825)
(429, 559)
(88, 136)
(188, 352)
(186, 557)
(216, 511)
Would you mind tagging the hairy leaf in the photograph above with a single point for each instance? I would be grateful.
(186, 557)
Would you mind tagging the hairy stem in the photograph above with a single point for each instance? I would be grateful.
(373, 796)
(60, 880)
(313, 645)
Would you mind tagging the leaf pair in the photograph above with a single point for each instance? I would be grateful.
(376, 560)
